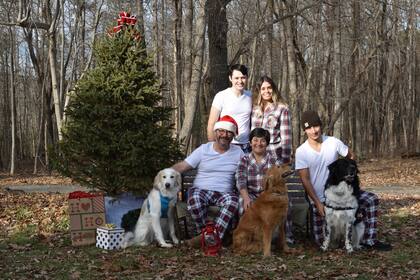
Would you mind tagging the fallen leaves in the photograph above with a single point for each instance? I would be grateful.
(45, 213)
(44, 219)
(402, 172)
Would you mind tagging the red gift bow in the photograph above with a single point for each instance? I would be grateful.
(124, 20)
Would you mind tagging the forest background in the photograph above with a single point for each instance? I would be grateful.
(356, 62)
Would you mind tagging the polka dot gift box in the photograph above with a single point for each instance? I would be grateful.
(109, 238)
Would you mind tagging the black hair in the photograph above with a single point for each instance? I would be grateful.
(260, 133)
(238, 67)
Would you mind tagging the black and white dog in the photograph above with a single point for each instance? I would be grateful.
(342, 191)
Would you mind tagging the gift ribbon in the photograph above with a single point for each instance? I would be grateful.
(124, 20)
(80, 194)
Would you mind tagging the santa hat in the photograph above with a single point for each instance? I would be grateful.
(228, 123)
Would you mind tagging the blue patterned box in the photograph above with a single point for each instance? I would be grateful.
(109, 239)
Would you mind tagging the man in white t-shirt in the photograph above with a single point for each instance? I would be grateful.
(236, 102)
(312, 160)
(216, 164)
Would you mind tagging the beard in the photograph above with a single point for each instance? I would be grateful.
(224, 142)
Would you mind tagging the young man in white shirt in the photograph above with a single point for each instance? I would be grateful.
(216, 164)
(312, 160)
(236, 102)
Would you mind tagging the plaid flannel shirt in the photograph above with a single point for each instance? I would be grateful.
(276, 119)
(250, 174)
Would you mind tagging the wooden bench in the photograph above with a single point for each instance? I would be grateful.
(297, 195)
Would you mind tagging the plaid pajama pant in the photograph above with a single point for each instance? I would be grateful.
(368, 209)
(199, 200)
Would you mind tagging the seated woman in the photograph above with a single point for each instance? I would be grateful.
(251, 170)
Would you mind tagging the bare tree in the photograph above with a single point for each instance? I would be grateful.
(196, 77)
(12, 102)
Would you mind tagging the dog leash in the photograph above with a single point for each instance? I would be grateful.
(287, 173)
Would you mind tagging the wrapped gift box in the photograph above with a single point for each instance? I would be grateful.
(87, 212)
(109, 239)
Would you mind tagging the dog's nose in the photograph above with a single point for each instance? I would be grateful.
(167, 185)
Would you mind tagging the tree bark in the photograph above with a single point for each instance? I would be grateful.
(140, 22)
(12, 103)
(291, 61)
(177, 56)
(217, 34)
(191, 99)
(338, 91)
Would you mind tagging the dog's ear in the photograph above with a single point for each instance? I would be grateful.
(156, 182)
(333, 166)
(267, 182)
(332, 176)
(355, 165)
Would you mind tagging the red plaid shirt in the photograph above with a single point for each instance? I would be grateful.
(250, 174)
(276, 119)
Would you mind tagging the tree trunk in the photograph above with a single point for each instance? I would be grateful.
(355, 56)
(338, 92)
(54, 82)
(217, 34)
(191, 100)
(155, 37)
(187, 47)
(140, 22)
(12, 103)
(162, 50)
(291, 61)
(177, 56)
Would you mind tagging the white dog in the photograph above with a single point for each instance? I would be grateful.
(157, 212)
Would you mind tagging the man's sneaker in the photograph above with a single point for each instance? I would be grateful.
(379, 246)
(194, 242)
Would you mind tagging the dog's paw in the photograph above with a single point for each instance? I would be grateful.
(175, 240)
(324, 248)
(357, 247)
(349, 250)
(267, 255)
(166, 245)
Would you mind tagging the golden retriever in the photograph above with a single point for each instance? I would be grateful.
(269, 211)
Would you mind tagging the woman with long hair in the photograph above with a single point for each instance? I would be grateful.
(271, 112)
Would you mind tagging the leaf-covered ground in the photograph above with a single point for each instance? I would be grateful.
(35, 244)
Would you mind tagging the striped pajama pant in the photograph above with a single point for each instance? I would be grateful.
(368, 209)
(199, 200)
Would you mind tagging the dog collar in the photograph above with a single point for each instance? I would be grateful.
(340, 208)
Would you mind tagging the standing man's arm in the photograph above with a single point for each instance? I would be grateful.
(213, 117)
(306, 181)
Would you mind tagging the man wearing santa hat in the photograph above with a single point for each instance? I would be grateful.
(216, 163)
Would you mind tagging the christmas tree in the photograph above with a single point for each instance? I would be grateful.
(117, 136)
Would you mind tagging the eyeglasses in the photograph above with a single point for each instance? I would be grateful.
(224, 131)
